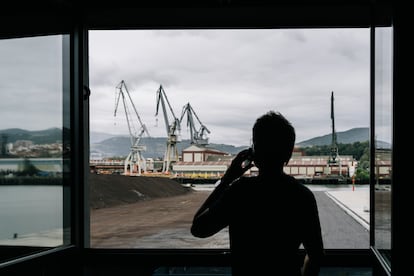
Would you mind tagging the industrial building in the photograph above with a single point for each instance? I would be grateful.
(203, 162)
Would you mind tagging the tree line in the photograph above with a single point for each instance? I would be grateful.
(358, 150)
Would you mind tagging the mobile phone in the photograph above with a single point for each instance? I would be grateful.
(249, 158)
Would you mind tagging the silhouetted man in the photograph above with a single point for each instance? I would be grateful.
(270, 216)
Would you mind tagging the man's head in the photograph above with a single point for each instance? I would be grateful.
(273, 140)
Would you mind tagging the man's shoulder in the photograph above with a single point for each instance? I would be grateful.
(299, 187)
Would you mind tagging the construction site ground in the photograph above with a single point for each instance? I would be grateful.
(145, 212)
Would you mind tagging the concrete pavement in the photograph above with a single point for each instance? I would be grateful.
(355, 202)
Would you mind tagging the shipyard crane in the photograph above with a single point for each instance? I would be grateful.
(198, 137)
(334, 147)
(173, 128)
(134, 163)
(334, 155)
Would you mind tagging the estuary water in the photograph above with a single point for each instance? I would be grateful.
(31, 211)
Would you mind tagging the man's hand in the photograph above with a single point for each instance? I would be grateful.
(236, 168)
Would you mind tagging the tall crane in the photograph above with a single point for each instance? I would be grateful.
(334, 146)
(173, 128)
(135, 162)
(198, 137)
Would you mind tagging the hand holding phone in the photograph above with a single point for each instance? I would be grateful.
(249, 159)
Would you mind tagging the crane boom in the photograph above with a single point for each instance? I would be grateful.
(197, 136)
(171, 153)
(134, 163)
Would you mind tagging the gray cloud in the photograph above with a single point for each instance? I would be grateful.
(31, 82)
(233, 76)
(230, 77)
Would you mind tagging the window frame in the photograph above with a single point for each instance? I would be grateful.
(12, 255)
(361, 17)
(315, 14)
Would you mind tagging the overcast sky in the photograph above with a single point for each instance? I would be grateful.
(31, 83)
(230, 77)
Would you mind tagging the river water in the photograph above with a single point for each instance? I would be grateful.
(27, 210)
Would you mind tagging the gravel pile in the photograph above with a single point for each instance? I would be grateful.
(113, 190)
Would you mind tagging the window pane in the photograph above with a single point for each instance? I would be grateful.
(142, 196)
(34, 150)
(383, 140)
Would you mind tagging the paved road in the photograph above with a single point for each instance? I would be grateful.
(339, 229)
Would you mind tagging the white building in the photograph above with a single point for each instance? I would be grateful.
(202, 161)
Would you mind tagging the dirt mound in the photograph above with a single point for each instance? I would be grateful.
(113, 190)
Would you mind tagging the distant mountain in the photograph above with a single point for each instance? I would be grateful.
(47, 136)
(155, 147)
(107, 145)
(120, 145)
(353, 135)
(97, 137)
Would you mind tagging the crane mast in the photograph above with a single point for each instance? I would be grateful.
(334, 147)
(334, 155)
(135, 162)
(171, 153)
(334, 159)
(198, 137)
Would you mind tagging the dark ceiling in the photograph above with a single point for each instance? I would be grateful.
(21, 18)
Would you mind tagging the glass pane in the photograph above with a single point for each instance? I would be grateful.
(144, 196)
(34, 150)
(383, 140)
